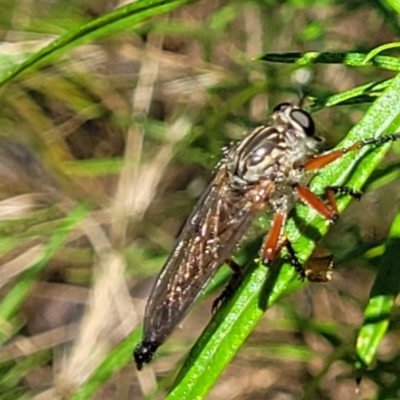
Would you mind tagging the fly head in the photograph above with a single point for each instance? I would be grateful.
(271, 152)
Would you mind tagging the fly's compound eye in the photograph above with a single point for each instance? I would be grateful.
(281, 107)
(304, 120)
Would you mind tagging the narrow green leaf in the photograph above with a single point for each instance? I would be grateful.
(382, 300)
(371, 90)
(261, 287)
(350, 59)
(120, 19)
(395, 4)
(374, 52)
(94, 167)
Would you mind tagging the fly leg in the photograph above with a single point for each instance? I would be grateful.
(274, 240)
(321, 160)
(330, 210)
(272, 246)
(330, 192)
(318, 268)
(230, 287)
(294, 261)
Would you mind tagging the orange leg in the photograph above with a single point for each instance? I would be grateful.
(321, 160)
(330, 192)
(330, 211)
(275, 239)
(273, 242)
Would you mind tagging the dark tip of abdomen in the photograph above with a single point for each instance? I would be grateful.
(144, 352)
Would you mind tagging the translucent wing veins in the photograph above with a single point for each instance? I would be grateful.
(209, 237)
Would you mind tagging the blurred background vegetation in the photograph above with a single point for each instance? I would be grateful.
(103, 153)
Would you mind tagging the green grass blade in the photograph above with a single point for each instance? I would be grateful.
(374, 52)
(382, 300)
(112, 22)
(94, 167)
(370, 91)
(261, 287)
(350, 59)
(395, 4)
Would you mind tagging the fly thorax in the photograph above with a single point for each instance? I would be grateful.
(273, 151)
(261, 155)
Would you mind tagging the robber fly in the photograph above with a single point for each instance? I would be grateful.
(268, 170)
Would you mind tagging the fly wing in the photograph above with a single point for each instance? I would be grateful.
(209, 237)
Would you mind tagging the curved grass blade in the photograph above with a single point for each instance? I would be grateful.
(119, 19)
(261, 287)
(374, 52)
(382, 300)
(350, 59)
(370, 91)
